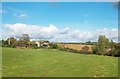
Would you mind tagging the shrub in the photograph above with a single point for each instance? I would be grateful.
(114, 52)
(34, 46)
(85, 50)
(95, 49)
(54, 46)
(102, 52)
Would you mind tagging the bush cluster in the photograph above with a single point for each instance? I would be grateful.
(53, 46)
(85, 50)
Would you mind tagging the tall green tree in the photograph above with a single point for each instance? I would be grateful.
(3, 43)
(12, 42)
(24, 40)
(103, 44)
(25, 37)
(112, 44)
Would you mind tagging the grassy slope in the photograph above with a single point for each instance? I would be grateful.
(47, 62)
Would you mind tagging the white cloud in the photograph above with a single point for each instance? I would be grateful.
(23, 15)
(84, 36)
(110, 33)
(33, 30)
(53, 33)
(113, 34)
(65, 30)
(0, 34)
(20, 16)
(18, 13)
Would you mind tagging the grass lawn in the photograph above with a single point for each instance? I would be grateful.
(56, 63)
(0, 62)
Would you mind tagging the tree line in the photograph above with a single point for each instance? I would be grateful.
(13, 42)
(103, 46)
(107, 47)
(24, 42)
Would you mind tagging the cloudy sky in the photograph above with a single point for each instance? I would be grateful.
(60, 21)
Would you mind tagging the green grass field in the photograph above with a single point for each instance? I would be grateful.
(0, 62)
(56, 63)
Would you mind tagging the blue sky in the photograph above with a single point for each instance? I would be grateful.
(69, 16)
